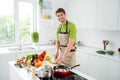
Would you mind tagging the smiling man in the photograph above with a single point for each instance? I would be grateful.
(66, 39)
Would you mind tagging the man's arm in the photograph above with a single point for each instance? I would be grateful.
(69, 47)
(57, 45)
(57, 49)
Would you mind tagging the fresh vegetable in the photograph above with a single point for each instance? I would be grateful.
(101, 52)
(34, 56)
(39, 63)
(29, 57)
(41, 56)
(36, 60)
(31, 60)
(110, 52)
(19, 62)
(47, 58)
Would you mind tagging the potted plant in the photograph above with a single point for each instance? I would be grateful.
(41, 5)
(35, 37)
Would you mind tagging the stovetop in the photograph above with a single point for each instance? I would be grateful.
(70, 76)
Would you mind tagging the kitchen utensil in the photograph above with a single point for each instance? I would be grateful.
(44, 71)
(62, 69)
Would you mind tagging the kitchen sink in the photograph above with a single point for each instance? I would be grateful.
(22, 49)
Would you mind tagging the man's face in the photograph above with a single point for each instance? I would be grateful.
(61, 17)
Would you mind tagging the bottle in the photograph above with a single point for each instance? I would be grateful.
(119, 51)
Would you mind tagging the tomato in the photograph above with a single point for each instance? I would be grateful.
(42, 55)
(36, 60)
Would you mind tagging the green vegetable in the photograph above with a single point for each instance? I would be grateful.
(110, 52)
(34, 56)
(20, 66)
(101, 52)
(29, 56)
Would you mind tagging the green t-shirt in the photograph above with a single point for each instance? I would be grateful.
(72, 32)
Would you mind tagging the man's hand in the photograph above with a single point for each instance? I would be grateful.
(56, 55)
(59, 60)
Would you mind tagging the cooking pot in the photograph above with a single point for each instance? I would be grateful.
(62, 70)
(44, 71)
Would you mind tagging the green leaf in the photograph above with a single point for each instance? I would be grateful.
(101, 52)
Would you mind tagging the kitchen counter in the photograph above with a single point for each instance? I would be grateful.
(22, 74)
(30, 48)
(92, 50)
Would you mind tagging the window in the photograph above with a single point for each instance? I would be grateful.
(25, 21)
(7, 22)
(17, 19)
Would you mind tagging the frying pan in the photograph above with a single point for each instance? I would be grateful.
(62, 69)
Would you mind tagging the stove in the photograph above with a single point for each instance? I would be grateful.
(70, 76)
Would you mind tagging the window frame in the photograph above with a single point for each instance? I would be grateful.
(16, 21)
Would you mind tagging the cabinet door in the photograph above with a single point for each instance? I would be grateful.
(83, 13)
(4, 67)
(119, 17)
(114, 70)
(13, 74)
(107, 14)
(82, 59)
(98, 67)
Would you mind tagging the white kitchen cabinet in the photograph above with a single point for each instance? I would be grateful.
(107, 14)
(119, 17)
(114, 70)
(82, 59)
(95, 14)
(13, 74)
(98, 67)
(83, 14)
(4, 67)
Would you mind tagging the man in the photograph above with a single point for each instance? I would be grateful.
(66, 38)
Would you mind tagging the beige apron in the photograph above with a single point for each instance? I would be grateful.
(64, 40)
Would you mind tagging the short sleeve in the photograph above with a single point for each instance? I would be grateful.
(57, 31)
(72, 31)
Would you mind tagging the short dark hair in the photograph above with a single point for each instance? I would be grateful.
(60, 10)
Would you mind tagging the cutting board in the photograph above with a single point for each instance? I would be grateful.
(52, 64)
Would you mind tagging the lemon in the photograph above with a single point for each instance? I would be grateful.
(28, 63)
(47, 58)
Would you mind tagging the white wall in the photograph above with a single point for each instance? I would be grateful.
(94, 38)
(48, 32)
(86, 18)
(87, 37)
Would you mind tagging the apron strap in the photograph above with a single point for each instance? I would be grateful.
(72, 50)
(66, 28)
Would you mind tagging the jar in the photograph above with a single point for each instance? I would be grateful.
(78, 43)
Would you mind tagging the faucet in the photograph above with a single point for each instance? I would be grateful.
(105, 43)
(20, 46)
